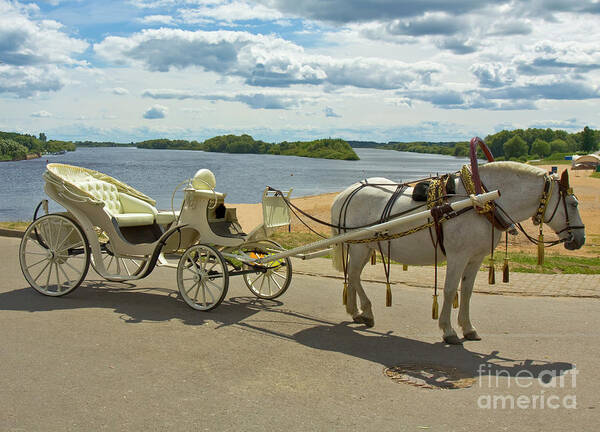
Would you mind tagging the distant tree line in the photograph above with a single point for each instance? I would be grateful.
(322, 148)
(16, 146)
(518, 144)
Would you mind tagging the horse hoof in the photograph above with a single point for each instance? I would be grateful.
(369, 322)
(472, 335)
(452, 340)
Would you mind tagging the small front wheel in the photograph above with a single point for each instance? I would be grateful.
(271, 279)
(202, 277)
(54, 255)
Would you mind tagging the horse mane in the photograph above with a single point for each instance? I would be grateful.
(516, 167)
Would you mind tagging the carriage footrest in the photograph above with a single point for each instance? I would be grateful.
(312, 255)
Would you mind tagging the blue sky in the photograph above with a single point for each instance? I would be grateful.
(287, 69)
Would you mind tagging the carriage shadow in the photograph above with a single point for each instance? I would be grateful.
(133, 304)
(136, 305)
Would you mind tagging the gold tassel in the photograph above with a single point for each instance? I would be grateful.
(345, 294)
(492, 273)
(434, 307)
(505, 271)
(455, 302)
(388, 295)
(404, 267)
(374, 258)
(541, 250)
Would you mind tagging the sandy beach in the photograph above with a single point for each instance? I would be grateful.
(586, 188)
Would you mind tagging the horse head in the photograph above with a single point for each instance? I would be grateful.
(563, 214)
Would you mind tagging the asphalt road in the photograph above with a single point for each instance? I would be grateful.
(134, 357)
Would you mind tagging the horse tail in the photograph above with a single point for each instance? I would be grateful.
(338, 257)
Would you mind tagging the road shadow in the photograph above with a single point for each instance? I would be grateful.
(135, 305)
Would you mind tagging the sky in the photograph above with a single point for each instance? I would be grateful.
(378, 70)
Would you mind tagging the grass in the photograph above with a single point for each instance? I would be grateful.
(518, 261)
(595, 175)
(21, 226)
(553, 264)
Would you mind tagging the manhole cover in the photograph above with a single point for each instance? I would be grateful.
(430, 376)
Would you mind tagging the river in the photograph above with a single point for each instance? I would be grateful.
(242, 177)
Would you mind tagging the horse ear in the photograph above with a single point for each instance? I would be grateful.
(564, 179)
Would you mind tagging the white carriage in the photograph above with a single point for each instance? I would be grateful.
(121, 233)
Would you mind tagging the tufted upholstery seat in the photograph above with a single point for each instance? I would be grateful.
(126, 209)
(127, 205)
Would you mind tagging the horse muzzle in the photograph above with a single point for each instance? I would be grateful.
(575, 239)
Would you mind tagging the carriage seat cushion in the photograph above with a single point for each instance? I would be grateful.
(165, 217)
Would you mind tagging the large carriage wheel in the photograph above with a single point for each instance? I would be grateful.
(54, 255)
(121, 267)
(271, 279)
(202, 277)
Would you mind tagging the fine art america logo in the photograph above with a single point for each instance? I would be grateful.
(549, 389)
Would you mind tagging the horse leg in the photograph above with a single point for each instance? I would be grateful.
(358, 257)
(466, 289)
(454, 273)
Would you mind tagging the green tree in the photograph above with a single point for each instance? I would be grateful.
(42, 137)
(588, 143)
(540, 147)
(558, 146)
(515, 147)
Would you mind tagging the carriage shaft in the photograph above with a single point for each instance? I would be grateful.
(474, 200)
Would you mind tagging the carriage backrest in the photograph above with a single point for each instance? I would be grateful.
(103, 191)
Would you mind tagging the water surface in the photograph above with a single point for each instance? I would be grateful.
(242, 177)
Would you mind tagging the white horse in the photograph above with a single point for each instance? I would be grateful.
(467, 238)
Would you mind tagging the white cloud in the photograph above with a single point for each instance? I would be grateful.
(330, 113)
(26, 42)
(230, 11)
(119, 91)
(265, 61)
(155, 112)
(157, 19)
(25, 81)
(263, 100)
(32, 51)
(41, 114)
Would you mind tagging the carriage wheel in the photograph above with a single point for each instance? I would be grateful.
(121, 267)
(271, 279)
(54, 255)
(202, 277)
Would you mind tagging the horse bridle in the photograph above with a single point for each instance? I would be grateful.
(564, 191)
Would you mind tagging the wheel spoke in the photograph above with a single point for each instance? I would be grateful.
(276, 283)
(126, 268)
(205, 286)
(77, 244)
(74, 268)
(191, 288)
(262, 282)
(58, 284)
(36, 263)
(36, 253)
(59, 235)
(42, 271)
(280, 275)
(48, 278)
(68, 279)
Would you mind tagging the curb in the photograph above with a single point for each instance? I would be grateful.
(5, 232)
